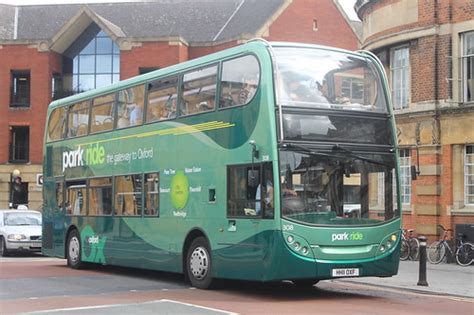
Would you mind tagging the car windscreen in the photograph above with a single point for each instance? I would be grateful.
(21, 218)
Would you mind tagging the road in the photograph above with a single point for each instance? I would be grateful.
(47, 286)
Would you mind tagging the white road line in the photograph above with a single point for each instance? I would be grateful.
(130, 304)
(199, 306)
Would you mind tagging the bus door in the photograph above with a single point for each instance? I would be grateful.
(247, 228)
(53, 216)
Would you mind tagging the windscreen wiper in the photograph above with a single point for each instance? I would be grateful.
(300, 148)
(337, 147)
(347, 153)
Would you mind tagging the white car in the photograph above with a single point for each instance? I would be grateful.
(20, 230)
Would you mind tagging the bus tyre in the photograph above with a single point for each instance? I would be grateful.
(199, 264)
(74, 250)
(3, 248)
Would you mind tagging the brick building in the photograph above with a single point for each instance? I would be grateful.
(50, 51)
(427, 48)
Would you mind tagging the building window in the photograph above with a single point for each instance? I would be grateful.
(405, 176)
(20, 88)
(19, 144)
(353, 88)
(469, 175)
(97, 64)
(143, 70)
(400, 77)
(468, 67)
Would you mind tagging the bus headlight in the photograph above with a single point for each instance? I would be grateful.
(388, 244)
(297, 244)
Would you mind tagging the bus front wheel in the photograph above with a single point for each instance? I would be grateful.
(199, 264)
(74, 250)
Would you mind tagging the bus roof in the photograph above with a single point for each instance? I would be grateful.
(251, 45)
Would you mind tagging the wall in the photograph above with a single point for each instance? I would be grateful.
(438, 126)
(41, 66)
(296, 24)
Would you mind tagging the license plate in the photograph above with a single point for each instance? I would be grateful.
(345, 272)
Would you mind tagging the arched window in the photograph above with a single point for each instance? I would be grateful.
(97, 64)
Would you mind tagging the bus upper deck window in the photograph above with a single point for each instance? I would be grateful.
(240, 79)
(102, 113)
(162, 99)
(78, 120)
(199, 91)
(130, 104)
(57, 124)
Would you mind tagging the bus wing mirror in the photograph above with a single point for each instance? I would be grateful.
(253, 178)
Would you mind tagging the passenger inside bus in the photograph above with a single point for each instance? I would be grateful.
(267, 189)
(136, 114)
(248, 90)
(123, 116)
(169, 109)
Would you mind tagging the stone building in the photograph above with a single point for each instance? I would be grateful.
(427, 48)
(50, 51)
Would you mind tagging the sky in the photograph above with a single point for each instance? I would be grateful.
(348, 5)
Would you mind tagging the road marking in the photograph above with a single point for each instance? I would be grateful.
(83, 308)
(199, 306)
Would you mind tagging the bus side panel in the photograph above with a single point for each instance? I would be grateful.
(247, 258)
(122, 242)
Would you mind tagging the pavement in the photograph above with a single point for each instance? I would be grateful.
(442, 279)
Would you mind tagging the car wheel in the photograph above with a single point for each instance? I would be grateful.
(3, 248)
(199, 264)
(74, 250)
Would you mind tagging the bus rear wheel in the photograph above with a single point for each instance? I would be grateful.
(74, 250)
(199, 264)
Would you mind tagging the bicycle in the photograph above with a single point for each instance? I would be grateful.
(410, 247)
(463, 251)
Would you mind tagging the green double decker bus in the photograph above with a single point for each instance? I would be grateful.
(265, 162)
